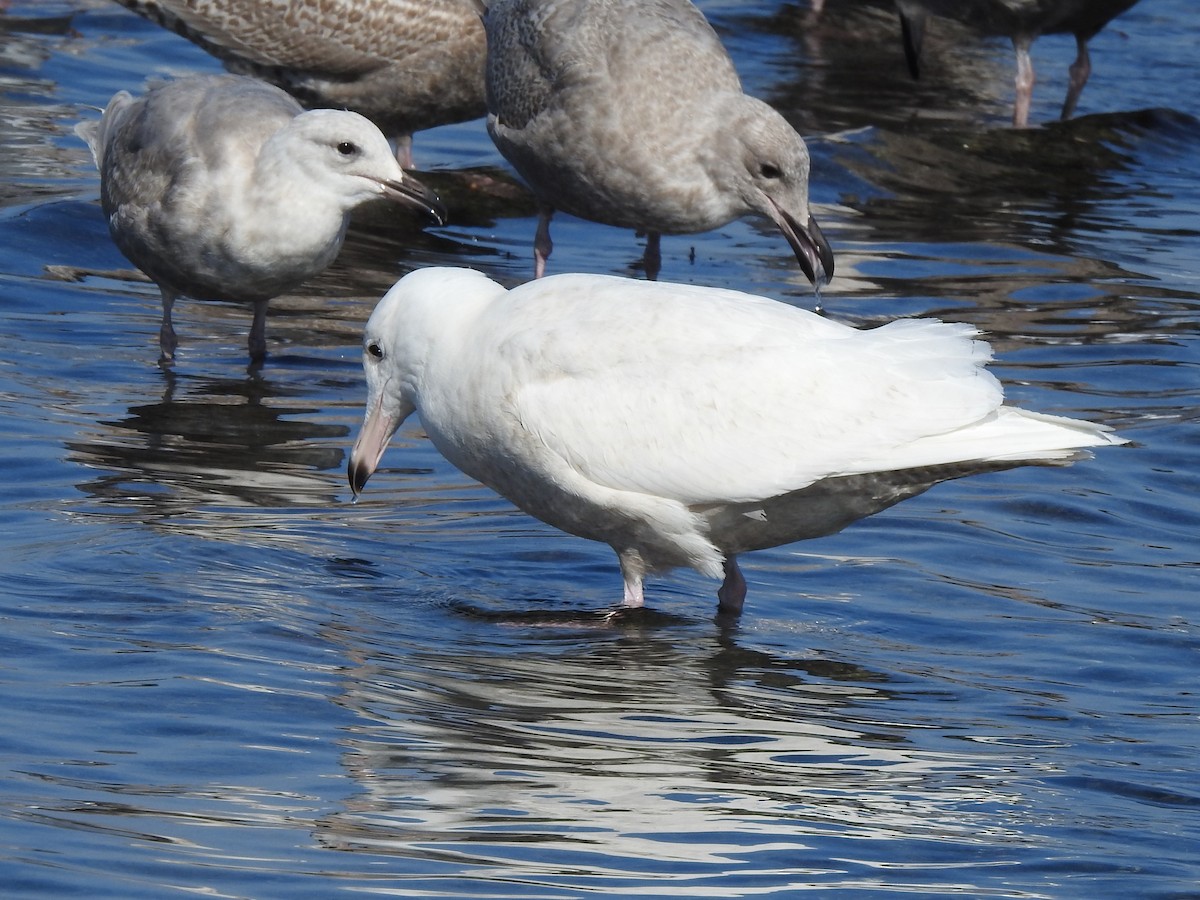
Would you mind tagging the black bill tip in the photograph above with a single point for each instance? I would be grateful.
(812, 252)
(413, 193)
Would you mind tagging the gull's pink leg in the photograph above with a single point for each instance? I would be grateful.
(404, 151)
(633, 594)
(1025, 79)
(542, 245)
(1080, 71)
(633, 568)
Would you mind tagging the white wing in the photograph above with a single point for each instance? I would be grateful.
(703, 395)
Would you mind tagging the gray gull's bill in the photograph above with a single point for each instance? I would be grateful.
(223, 187)
(406, 65)
(683, 425)
(1023, 21)
(630, 113)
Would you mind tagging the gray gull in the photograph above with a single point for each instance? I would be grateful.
(223, 187)
(683, 425)
(406, 65)
(1023, 21)
(630, 113)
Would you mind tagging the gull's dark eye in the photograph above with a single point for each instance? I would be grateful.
(347, 148)
(375, 350)
(766, 170)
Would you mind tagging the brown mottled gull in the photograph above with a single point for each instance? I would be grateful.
(630, 113)
(406, 65)
(223, 187)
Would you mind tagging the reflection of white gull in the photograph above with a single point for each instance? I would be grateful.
(1023, 21)
(632, 758)
(630, 113)
(406, 65)
(222, 187)
(683, 425)
(662, 785)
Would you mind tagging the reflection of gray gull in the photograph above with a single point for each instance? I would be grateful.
(1023, 21)
(406, 65)
(222, 187)
(630, 113)
(683, 425)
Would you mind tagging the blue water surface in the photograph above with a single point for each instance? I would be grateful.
(220, 677)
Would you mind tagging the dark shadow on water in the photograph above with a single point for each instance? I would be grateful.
(1038, 187)
(478, 197)
(475, 198)
(238, 440)
(846, 68)
(353, 568)
(621, 617)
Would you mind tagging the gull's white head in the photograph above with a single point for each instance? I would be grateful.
(343, 156)
(417, 315)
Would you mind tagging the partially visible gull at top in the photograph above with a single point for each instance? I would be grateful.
(223, 187)
(1023, 21)
(406, 65)
(630, 113)
(685, 425)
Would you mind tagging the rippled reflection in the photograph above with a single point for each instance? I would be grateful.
(235, 441)
(644, 750)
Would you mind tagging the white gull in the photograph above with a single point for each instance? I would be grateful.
(683, 425)
(630, 113)
(1023, 21)
(222, 187)
(407, 65)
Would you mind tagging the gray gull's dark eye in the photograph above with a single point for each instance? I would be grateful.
(347, 148)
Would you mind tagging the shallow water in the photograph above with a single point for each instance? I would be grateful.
(221, 677)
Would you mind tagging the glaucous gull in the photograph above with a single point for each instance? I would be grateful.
(406, 65)
(223, 187)
(630, 113)
(1023, 21)
(683, 425)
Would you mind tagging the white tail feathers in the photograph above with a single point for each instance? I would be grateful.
(1011, 434)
